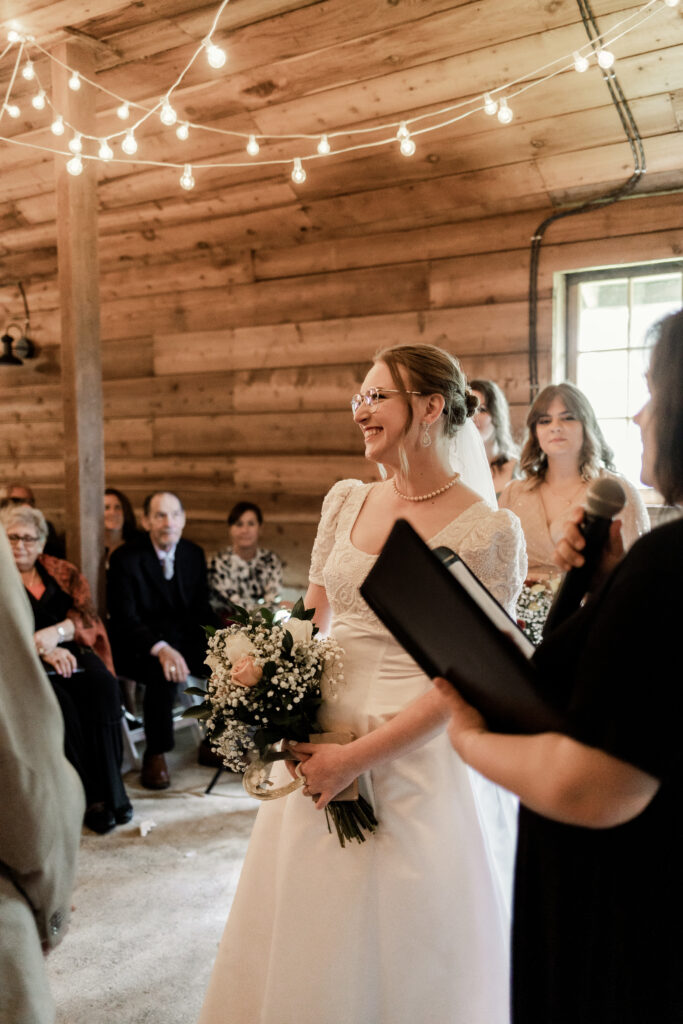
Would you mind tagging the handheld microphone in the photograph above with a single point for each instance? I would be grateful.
(605, 499)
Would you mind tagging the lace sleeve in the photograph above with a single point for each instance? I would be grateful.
(634, 518)
(495, 551)
(324, 540)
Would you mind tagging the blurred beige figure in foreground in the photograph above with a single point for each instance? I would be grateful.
(40, 814)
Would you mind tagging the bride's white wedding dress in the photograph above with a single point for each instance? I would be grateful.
(412, 926)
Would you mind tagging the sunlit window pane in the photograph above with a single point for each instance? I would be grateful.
(603, 377)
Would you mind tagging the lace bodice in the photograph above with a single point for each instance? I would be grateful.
(490, 542)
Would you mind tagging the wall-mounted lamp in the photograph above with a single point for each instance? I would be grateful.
(16, 349)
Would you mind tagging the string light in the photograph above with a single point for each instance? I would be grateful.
(505, 115)
(462, 109)
(186, 180)
(490, 105)
(168, 115)
(75, 166)
(407, 146)
(605, 58)
(298, 174)
(182, 131)
(38, 101)
(215, 55)
(76, 144)
(28, 71)
(129, 144)
(105, 151)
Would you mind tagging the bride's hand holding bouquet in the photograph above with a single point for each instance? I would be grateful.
(327, 769)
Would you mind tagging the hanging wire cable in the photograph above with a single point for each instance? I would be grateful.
(614, 195)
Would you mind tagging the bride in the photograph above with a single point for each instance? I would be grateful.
(412, 925)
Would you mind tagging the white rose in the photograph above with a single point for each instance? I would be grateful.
(238, 646)
(301, 630)
(213, 661)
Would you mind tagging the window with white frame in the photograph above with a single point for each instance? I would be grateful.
(608, 314)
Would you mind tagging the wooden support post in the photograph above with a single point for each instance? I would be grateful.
(80, 324)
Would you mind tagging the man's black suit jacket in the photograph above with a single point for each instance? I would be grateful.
(143, 608)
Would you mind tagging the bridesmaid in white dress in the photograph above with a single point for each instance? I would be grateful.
(413, 924)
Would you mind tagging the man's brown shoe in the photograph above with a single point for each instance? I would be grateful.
(154, 773)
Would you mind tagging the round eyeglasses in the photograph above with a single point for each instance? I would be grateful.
(373, 396)
(15, 538)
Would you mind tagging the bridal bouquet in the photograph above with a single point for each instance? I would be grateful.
(264, 690)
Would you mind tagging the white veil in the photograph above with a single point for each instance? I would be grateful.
(468, 458)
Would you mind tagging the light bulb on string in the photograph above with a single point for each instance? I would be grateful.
(581, 63)
(407, 146)
(253, 146)
(402, 132)
(28, 71)
(186, 179)
(57, 126)
(75, 84)
(215, 55)
(324, 145)
(490, 105)
(38, 101)
(605, 58)
(505, 115)
(105, 151)
(129, 144)
(13, 36)
(75, 166)
(123, 112)
(75, 144)
(298, 173)
(671, 3)
(182, 131)
(168, 115)
(13, 110)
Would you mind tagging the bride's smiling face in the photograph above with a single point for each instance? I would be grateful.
(383, 424)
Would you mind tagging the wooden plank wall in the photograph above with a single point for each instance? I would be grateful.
(228, 370)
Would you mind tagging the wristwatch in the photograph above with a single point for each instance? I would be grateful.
(62, 632)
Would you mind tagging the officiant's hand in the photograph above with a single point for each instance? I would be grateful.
(327, 769)
(464, 718)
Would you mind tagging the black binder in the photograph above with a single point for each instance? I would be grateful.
(442, 623)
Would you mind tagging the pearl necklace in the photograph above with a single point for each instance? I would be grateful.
(425, 497)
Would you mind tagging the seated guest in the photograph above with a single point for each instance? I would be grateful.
(73, 646)
(158, 602)
(244, 573)
(22, 494)
(492, 420)
(564, 450)
(119, 522)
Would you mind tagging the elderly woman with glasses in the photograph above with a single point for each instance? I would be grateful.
(73, 646)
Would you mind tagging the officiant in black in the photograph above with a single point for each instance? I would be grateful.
(157, 597)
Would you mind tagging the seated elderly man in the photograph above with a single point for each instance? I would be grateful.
(158, 602)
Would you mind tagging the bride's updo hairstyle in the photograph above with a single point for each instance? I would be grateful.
(431, 371)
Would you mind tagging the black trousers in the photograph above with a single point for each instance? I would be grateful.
(91, 707)
(158, 702)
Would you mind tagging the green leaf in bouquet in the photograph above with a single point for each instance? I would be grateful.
(240, 614)
(298, 611)
(287, 642)
(269, 670)
(202, 712)
(195, 691)
(209, 630)
(267, 616)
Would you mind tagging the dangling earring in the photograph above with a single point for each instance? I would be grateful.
(426, 438)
